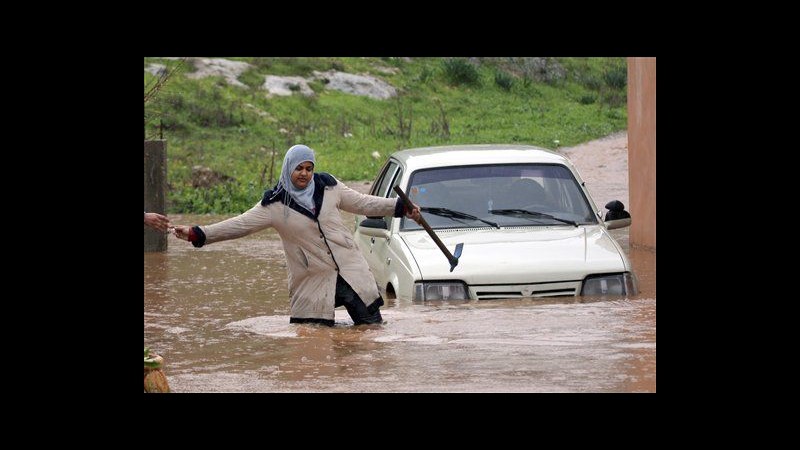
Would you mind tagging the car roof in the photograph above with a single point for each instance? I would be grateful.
(473, 154)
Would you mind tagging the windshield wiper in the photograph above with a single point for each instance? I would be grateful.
(525, 212)
(449, 213)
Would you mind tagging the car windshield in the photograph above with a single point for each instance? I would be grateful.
(548, 192)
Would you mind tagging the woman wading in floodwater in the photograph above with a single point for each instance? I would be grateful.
(326, 269)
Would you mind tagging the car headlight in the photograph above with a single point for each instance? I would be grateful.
(617, 284)
(440, 290)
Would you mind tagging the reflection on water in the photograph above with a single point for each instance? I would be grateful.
(220, 317)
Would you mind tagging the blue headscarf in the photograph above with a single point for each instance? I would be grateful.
(303, 197)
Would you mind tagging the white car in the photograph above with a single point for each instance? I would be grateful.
(526, 221)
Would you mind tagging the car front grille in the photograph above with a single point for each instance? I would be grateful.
(488, 292)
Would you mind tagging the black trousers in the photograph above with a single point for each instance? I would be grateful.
(347, 297)
(359, 312)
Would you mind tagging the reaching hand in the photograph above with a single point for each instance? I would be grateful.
(156, 221)
(183, 232)
(413, 214)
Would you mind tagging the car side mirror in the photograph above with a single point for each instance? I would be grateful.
(375, 227)
(617, 217)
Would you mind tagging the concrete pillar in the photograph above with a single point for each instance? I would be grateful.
(155, 190)
(642, 151)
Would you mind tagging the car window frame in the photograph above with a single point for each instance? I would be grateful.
(376, 186)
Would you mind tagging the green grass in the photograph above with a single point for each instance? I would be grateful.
(232, 129)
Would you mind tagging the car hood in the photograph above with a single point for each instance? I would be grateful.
(517, 254)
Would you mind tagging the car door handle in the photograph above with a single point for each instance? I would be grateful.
(372, 240)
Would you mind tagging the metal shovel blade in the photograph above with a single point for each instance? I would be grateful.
(456, 255)
(453, 259)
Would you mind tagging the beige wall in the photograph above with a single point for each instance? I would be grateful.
(642, 151)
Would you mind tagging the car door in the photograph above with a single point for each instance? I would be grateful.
(376, 249)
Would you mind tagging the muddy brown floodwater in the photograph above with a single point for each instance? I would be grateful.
(219, 316)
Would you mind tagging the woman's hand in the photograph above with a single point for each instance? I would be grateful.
(412, 214)
(183, 232)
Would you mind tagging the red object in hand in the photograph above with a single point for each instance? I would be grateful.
(192, 235)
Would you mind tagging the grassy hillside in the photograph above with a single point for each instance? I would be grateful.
(233, 130)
